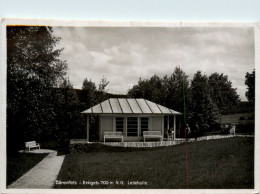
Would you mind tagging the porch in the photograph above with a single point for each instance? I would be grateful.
(83, 144)
(132, 118)
(138, 144)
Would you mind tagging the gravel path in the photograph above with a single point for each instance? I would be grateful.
(41, 176)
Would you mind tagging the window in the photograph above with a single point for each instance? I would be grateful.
(120, 124)
(132, 126)
(144, 124)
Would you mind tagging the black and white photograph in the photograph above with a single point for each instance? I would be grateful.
(130, 106)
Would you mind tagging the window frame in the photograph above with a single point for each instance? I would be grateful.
(139, 124)
(135, 119)
(146, 129)
(123, 127)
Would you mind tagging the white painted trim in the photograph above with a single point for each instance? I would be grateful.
(87, 128)
(168, 122)
(174, 126)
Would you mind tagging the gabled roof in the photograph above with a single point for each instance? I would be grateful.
(129, 106)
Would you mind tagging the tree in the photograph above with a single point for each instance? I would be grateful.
(69, 117)
(202, 109)
(150, 89)
(250, 82)
(167, 91)
(90, 96)
(222, 93)
(33, 70)
(102, 91)
(138, 91)
(176, 88)
(88, 93)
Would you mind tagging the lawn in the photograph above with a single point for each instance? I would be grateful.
(20, 163)
(214, 164)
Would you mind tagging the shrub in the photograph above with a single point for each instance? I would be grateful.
(241, 118)
(224, 130)
(247, 128)
(63, 141)
(251, 117)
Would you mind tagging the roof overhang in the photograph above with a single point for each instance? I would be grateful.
(129, 106)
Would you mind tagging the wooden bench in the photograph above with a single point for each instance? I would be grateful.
(152, 134)
(113, 135)
(31, 144)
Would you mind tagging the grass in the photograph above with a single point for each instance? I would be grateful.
(20, 163)
(214, 164)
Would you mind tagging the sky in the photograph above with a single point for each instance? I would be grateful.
(124, 54)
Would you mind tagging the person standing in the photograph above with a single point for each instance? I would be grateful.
(187, 131)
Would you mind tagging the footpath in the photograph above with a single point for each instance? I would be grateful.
(41, 176)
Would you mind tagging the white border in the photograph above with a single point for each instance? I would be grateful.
(107, 23)
(79, 23)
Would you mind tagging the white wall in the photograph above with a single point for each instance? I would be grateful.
(156, 123)
(107, 123)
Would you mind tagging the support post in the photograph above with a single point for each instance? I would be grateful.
(168, 122)
(100, 128)
(174, 126)
(125, 127)
(114, 124)
(168, 127)
(87, 127)
(138, 126)
(162, 128)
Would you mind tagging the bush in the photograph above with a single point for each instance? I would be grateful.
(251, 117)
(224, 130)
(215, 127)
(248, 128)
(241, 118)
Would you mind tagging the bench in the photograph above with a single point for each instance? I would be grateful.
(152, 134)
(113, 135)
(31, 144)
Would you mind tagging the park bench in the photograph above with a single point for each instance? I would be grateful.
(31, 144)
(113, 135)
(152, 134)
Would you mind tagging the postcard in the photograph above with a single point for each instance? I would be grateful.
(103, 106)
